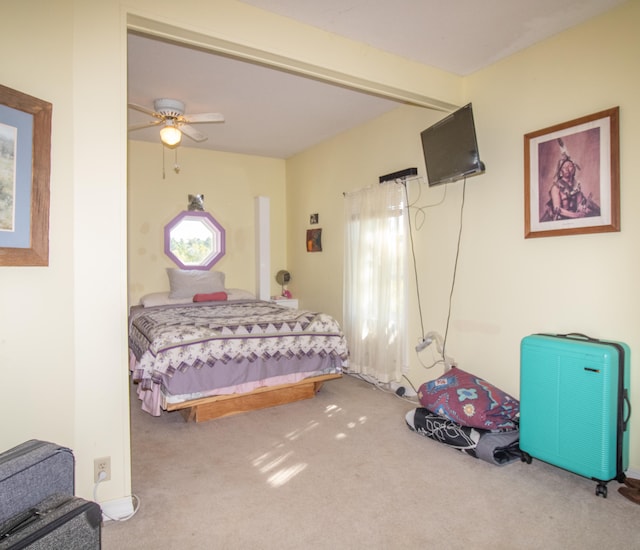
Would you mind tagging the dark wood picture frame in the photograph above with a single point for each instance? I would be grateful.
(572, 177)
(314, 240)
(37, 208)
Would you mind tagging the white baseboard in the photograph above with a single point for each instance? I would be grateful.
(117, 510)
(633, 473)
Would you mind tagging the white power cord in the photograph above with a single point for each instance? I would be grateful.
(102, 477)
(427, 340)
(377, 385)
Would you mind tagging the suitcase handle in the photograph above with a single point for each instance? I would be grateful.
(626, 400)
(579, 335)
(18, 522)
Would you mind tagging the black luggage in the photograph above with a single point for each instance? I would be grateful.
(31, 472)
(58, 522)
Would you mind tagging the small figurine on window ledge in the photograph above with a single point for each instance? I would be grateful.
(196, 202)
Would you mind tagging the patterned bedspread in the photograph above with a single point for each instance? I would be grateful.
(166, 339)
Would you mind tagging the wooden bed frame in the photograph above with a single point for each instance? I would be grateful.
(218, 406)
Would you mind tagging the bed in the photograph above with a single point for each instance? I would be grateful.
(229, 353)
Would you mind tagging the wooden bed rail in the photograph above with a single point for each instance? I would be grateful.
(218, 406)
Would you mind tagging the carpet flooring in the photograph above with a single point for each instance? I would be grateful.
(343, 471)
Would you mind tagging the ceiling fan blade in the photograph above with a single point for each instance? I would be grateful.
(204, 117)
(143, 109)
(144, 125)
(192, 133)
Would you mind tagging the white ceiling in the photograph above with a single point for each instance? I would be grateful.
(277, 114)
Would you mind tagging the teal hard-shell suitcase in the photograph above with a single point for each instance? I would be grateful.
(574, 405)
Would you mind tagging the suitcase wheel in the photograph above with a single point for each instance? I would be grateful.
(601, 489)
(525, 457)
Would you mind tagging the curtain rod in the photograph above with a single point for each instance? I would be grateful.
(402, 180)
(402, 175)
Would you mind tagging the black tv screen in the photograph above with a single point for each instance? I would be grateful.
(451, 149)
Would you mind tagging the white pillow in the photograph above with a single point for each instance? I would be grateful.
(186, 283)
(162, 299)
(239, 294)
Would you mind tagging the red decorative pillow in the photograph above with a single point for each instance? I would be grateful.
(210, 297)
(470, 401)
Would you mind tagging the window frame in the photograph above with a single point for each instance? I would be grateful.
(218, 235)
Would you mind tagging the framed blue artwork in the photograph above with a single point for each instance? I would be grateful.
(25, 165)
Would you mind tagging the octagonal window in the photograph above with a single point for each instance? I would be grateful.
(194, 240)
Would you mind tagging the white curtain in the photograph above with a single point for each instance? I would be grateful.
(375, 283)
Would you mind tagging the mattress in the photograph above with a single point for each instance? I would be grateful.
(187, 351)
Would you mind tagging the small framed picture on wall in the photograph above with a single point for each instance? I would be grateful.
(314, 240)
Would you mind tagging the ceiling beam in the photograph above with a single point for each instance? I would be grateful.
(220, 46)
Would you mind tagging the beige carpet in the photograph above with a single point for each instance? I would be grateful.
(343, 471)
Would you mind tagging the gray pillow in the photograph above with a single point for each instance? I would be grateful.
(185, 283)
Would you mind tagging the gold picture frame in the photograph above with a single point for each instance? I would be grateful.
(25, 166)
(572, 177)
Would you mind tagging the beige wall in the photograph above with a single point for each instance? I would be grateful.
(31, 298)
(506, 286)
(71, 385)
(229, 183)
(316, 181)
(63, 351)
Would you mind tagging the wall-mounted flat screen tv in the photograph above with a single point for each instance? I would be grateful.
(451, 148)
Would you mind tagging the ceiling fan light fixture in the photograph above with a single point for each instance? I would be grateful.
(170, 135)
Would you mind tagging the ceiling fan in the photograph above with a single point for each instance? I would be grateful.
(170, 113)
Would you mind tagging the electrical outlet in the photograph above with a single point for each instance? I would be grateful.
(102, 465)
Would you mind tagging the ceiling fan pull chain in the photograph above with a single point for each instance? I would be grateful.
(163, 174)
(176, 166)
